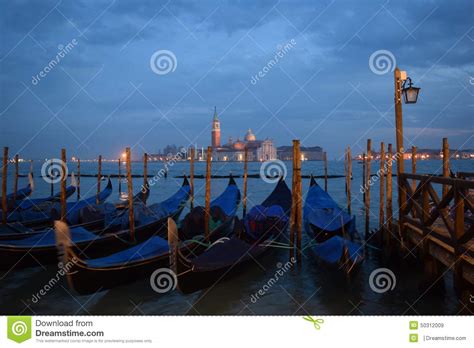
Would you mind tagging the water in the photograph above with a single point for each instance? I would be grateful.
(308, 288)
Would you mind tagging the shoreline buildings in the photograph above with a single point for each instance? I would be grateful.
(258, 150)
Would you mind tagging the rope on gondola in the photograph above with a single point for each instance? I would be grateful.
(275, 244)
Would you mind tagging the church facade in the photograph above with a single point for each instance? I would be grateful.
(258, 150)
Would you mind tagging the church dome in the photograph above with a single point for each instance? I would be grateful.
(239, 145)
(249, 136)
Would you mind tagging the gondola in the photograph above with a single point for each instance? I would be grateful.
(322, 216)
(260, 227)
(85, 213)
(340, 253)
(43, 216)
(88, 275)
(14, 198)
(149, 221)
(326, 225)
(38, 203)
(23, 223)
(20, 210)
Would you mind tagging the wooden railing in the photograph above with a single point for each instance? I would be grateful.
(435, 215)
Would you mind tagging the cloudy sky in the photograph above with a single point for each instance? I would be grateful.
(110, 86)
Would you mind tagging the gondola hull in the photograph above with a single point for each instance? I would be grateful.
(269, 221)
(17, 256)
(320, 235)
(86, 276)
(191, 280)
(84, 279)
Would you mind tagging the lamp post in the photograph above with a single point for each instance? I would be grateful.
(410, 96)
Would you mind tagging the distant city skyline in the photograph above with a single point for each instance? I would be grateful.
(98, 77)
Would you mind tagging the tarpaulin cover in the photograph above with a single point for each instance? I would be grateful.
(154, 246)
(323, 212)
(331, 250)
(48, 239)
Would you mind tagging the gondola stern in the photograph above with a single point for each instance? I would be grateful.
(173, 242)
(64, 244)
(31, 182)
(312, 181)
(185, 181)
(231, 179)
(109, 183)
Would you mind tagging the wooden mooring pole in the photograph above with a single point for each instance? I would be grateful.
(364, 160)
(63, 185)
(51, 178)
(4, 185)
(382, 186)
(349, 179)
(78, 188)
(413, 170)
(246, 154)
(325, 171)
(99, 177)
(389, 205)
(15, 183)
(145, 177)
(191, 176)
(296, 203)
(367, 189)
(207, 211)
(299, 202)
(120, 176)
(345, 170)
(131, 216)
(413, 167)
(445, 164)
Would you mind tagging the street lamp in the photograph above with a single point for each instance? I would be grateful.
(410, 93)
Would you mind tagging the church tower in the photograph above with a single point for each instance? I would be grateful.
(216, 131)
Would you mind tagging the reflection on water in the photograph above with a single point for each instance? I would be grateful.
(308, 288)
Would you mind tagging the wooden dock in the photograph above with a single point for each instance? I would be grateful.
(439, 228)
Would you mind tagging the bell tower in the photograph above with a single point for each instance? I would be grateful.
(216, 131)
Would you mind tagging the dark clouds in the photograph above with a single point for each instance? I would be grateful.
(322, 91)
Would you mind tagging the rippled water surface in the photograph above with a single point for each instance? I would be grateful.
(306, 288)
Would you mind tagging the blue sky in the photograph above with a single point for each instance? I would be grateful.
(103, 94)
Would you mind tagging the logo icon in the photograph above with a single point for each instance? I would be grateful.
(19, 328)
(163, 62)
(382, 61)
(163, 280)
(271, 171)
(54, 170)
(382, 280)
